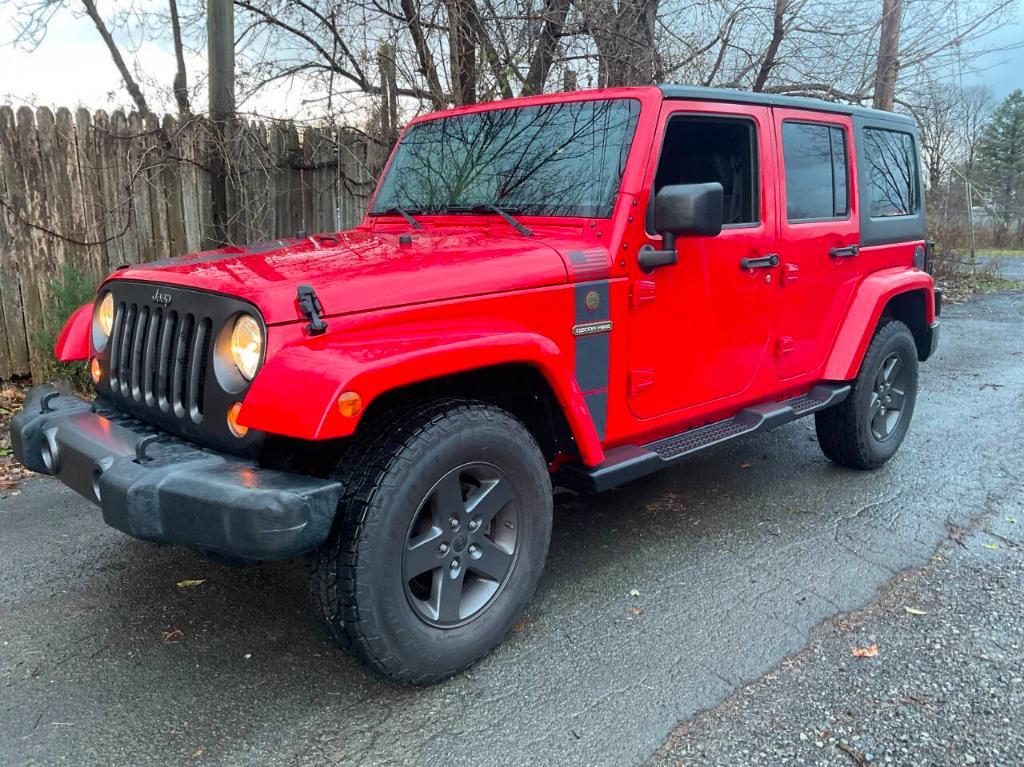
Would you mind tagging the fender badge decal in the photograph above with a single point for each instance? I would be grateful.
(590, 328)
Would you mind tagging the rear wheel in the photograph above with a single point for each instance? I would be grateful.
(439, 541)
(865, 430)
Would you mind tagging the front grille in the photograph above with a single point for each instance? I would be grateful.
(158, 357)
(167, 362)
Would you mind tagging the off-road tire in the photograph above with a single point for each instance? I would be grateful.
(845, 431)
(357, 576)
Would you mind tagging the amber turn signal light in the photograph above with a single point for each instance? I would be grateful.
(236, 428)
(95, 370)
(350, 404)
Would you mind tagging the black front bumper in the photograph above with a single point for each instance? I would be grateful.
(158, 488)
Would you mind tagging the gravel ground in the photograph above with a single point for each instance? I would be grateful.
(946, 688)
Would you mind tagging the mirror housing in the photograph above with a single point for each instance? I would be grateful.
(683, 209)
(689, 209)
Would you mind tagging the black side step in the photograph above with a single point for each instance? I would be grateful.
(629, 462)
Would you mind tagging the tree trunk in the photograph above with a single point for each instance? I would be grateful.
(625, 43)
(423, 54)
(555, 12)
(770, 53)
(462, 51)
(181, 76)
(888, 54)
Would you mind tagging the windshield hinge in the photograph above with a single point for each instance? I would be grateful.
(311, 308)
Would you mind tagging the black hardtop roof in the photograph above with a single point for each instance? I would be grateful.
(698, 93)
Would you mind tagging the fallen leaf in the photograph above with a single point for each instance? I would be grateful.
(198, 752)
(248, 656)
(634, 592)
(188, 584)
(1011, 520)
(865, 652)
(521, 624)
(635, 611)
(744, 465)
(915, 611)
(993, 546)
(172, 635)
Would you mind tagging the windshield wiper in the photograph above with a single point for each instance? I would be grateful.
(404, 214)
(489, 207)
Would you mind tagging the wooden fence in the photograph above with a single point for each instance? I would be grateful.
(94, 191)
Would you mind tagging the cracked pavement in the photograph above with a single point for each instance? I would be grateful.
(659, 601)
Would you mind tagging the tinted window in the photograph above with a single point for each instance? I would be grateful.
(552, 160)
(816, 171)
(701, 149)
(891, 173)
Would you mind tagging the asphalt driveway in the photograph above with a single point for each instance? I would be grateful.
(659, 600)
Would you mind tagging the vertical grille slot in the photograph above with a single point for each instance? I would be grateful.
(149, 384)
(179, 370)
(115, 345)
(124, 366)
(138, 344)
(166, 360)
(197, 369)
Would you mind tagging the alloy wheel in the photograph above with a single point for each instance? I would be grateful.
(461, 546)
(886, 405)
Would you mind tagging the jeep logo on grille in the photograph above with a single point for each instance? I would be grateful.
(162, 298)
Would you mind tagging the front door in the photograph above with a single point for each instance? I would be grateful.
(819, 236)
(701, 329)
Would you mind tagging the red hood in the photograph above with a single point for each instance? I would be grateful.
(361, 270)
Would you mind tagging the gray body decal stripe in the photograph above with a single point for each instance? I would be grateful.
(593, 352)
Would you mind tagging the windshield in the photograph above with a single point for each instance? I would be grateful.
(561, 159)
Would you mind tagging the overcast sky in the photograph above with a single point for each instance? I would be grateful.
(72, 68)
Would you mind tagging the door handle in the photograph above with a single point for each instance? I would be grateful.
(762, 262)
(847, 251)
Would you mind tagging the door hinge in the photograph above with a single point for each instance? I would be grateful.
(643, 292)
(639, 380)
(785, 345)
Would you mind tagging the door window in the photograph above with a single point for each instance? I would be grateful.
(698, 150)
(817, 171)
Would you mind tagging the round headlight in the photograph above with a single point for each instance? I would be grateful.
(246, 345)
(103, 321)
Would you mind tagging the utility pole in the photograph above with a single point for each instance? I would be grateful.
(887, 69)
(220, 34)
(970, 224)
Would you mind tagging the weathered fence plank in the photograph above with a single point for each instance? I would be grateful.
(96, 191)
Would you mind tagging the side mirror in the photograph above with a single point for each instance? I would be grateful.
(694, 209)
(683, 209)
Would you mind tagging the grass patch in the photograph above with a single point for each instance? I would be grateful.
(69, 290)
(1001, 252)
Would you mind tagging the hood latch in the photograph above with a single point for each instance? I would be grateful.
(311, 308)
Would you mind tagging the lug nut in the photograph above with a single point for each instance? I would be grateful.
(455, 564)
(474, 524)
(443, 548)
(474, 549)
(453, 523)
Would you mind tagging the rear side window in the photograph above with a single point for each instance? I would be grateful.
(891, 173)
(817, 171)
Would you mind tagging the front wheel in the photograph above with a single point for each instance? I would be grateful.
(439, 541)
(865, 430)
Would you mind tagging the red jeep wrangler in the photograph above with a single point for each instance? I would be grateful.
(578, 288)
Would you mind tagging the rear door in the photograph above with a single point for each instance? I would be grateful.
(819, 231)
